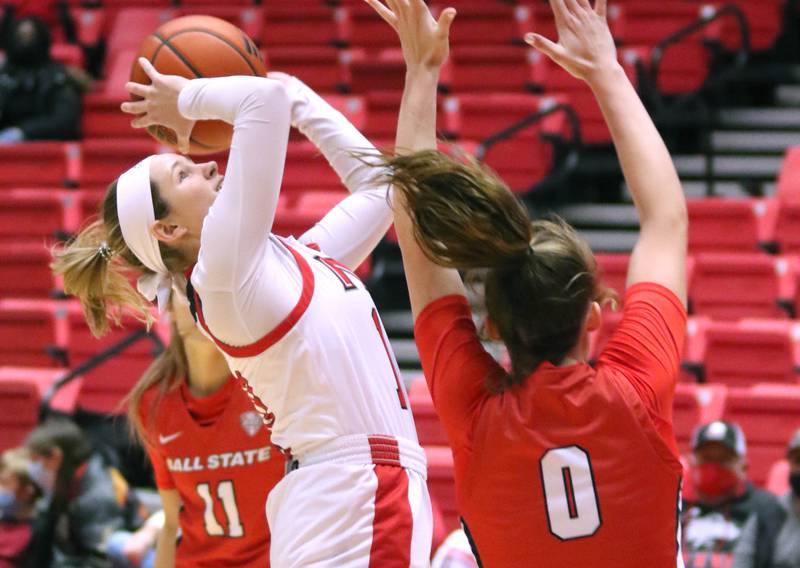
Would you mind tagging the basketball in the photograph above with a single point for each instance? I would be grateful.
(194, 47)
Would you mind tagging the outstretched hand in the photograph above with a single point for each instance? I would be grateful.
(424, 40)
(585, 46)
(159, 104)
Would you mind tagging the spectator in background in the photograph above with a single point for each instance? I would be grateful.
(783, 548)
(18, 497)
(38, 100)
(720, 500)
(85, 501)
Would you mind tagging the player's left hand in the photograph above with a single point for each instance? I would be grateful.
(585, 45)
(159, 104)
(424, 40)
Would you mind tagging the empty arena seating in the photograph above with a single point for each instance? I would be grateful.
(695, 405)
(768, 415)
(33, 333)
(733, 286)
(726, 225)
(25, 270)
(746, 352)
(21, 392)
(429, 427)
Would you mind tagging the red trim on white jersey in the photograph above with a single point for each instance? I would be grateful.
(281, 329)
(393, 523)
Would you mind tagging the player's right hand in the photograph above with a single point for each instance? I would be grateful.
(585, 45)
(159, 104)
(424, 40)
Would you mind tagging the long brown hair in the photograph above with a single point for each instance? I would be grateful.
(166, 372)
(96, 266)
(540, 276)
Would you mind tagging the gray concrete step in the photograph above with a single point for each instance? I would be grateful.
(743, 141)
(760, 118)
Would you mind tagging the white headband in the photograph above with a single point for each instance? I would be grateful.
(136, 217)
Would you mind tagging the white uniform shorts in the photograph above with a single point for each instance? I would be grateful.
(359, 502)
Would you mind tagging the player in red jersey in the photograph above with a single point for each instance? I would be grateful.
(211, 453)
(557, 463)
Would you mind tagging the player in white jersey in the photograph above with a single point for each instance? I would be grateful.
(291, 318)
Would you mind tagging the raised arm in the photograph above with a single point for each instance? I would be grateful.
(586, 49)
(425, 48)
(237, 225)
(352, 229)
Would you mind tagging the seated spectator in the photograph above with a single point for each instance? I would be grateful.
(783, 551)
(38, 100)
(719, 499)
(86, 502)
(455, 552)
(18, 497)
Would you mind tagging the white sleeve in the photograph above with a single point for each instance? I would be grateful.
(236, 229)
(353, 228)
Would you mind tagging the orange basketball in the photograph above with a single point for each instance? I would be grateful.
(199, 46)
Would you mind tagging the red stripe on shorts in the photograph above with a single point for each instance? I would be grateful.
(392, 525)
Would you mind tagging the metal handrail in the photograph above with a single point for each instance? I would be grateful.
(742, 55)
(95, 361)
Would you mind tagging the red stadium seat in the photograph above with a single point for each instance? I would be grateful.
(489, 68)
(250, 19)
(520, 162)
(105, 386)
(429, 427)
(727, 225)
(324, 69)
(382, 70)
(25, 270)
(613, 271)
(30, 330)
(748, 352)
(353, 107)
(104, 160)
(309, 24)
(785, 218)
(478, 116)
(90, 23)
(366, 29)
(647, 23)
(21, 393)
(788, 184)
(683, 69)
(778, 478)
(768, 415)
(764, 21)
(35, 214)
(694, 405)
(488, 23)
(102, 118)
(307, 169)
(733, 286)
(441, 483)
(381, 114)
(32, 164)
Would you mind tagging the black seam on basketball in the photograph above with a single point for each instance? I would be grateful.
(219, 37)
(178, 54)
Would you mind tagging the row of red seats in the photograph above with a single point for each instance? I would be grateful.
(49, 333)
(727, 286)
(768, 415)
(733, 353)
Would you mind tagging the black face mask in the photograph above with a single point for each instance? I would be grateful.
(794, 482)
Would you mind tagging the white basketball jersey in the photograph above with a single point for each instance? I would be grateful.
(327, 370)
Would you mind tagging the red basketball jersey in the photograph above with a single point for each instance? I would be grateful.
(577, 466)
(216, 452)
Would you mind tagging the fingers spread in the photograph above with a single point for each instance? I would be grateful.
(138, 89)
(384, 12)
(148, 68)
(445, 20)
(136, 107)
(142, 122)
(601, 6)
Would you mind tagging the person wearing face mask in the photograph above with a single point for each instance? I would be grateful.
(86, 502)
(38, 99)
(720, 500)
(18, 498)
(784, 547)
